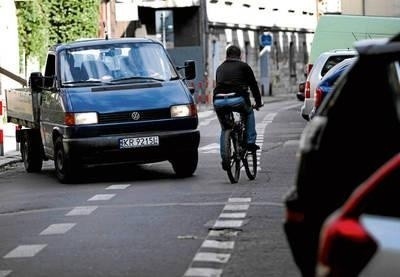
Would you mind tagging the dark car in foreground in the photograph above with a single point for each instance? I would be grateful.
(348, 140)
(362, 237)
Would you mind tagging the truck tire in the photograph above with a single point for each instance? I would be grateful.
(63, 165)
(186, 164)
(31, 151)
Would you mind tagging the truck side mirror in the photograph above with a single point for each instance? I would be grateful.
(190, 70)
(36, 81)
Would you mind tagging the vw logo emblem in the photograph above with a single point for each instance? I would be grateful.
(135, 116)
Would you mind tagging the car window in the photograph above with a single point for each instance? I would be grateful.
(332, 61)
(395, 82)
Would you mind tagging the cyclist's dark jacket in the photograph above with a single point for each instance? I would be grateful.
(233, 75)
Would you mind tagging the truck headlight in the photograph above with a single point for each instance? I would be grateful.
(80, 118)
(183, 110)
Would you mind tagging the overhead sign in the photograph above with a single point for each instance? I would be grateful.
(265, 40)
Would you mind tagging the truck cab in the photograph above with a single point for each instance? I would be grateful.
(116, 101)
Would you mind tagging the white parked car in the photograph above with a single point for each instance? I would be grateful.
(324, 62)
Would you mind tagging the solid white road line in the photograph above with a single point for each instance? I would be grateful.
(25, 251)
(101, 197)
(212, 257)
(59, 228)
(83, 210)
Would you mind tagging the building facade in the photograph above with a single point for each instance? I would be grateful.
(275, 37)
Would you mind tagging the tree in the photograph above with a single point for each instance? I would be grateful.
(42, 23)
(72, 19)
(32, 30)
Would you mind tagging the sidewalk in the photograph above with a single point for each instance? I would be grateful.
(11, 157)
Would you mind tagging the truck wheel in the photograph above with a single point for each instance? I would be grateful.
(62, 164)
(185, 165)
(31, 152)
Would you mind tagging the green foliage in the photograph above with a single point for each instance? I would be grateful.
(32, 29)
(42, 23)
(72, 19)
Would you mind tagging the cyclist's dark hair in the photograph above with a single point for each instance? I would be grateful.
(233, 52)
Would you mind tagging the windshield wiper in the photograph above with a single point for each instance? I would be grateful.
(83, 82)
(137, 78)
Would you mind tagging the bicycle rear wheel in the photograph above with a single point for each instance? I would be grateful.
(250, 164)
(230, 157)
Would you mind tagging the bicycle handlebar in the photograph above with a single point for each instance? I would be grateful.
(257, 107)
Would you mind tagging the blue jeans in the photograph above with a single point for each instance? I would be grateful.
(240, 105)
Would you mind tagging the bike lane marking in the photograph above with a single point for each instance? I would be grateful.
(218, 246)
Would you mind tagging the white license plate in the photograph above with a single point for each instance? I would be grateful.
(138, 142)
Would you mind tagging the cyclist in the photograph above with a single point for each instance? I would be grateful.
(233, 80)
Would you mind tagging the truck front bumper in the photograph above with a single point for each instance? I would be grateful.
(106, 150)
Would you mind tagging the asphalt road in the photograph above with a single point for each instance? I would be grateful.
(142, 221)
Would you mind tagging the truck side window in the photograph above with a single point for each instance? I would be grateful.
(50, 70)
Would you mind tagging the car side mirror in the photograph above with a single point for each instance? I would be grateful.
(190, 70)
(36, 81)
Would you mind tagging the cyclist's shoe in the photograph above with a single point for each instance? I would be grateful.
(252, 147)
(224, 166)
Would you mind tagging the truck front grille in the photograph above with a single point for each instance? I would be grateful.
(130, 116)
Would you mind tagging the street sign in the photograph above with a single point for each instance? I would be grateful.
(265, 40)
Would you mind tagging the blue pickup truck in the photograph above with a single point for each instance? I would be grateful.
(104, 102)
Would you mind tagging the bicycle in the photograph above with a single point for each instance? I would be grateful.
(234, 149)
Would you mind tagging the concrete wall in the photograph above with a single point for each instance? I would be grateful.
(371, 7)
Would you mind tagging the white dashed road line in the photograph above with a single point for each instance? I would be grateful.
(101, 197)
(25, 251)
(236, 207)
(232, 215)
(225, 224)
(239, 200)
(83, 210)
(118, 187)
(222, 233)
(60, 228)
(203, 272)
(211, 257)
(218, 244)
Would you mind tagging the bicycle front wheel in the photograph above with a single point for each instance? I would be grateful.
(230, 157)
(250, 164)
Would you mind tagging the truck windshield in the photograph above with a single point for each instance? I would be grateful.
(115, 63)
